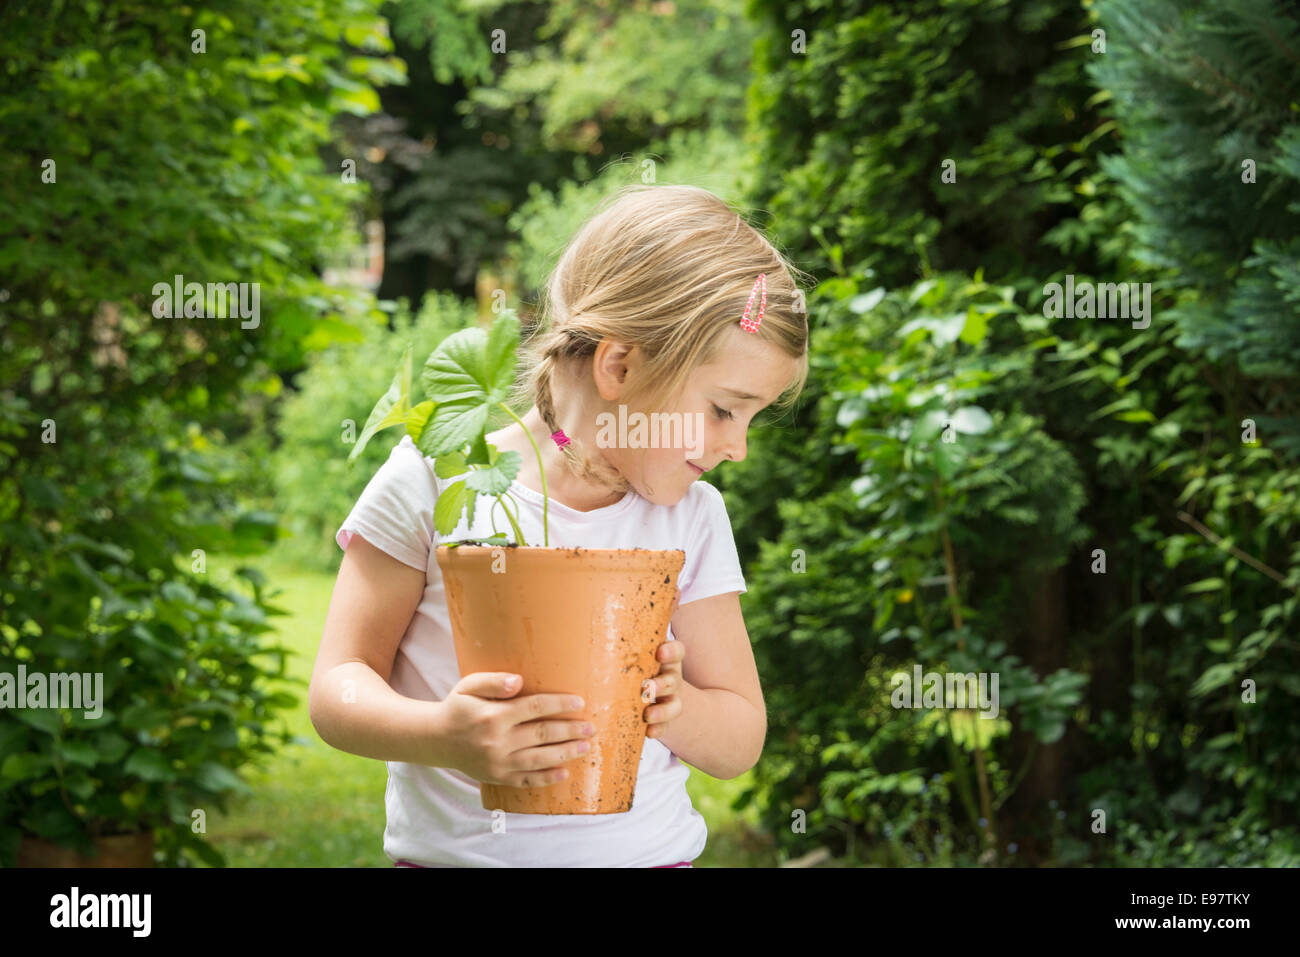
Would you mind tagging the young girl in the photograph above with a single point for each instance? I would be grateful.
(666, 301)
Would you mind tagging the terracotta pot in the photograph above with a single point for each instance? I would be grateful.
(120, 850)
(583, 621)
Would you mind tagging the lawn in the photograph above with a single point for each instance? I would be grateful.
(314, 806)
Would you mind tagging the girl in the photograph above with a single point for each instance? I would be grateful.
(665, 301)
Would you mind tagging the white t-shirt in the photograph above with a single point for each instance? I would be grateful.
(435, 815)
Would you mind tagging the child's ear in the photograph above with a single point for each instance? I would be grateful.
(610, 366)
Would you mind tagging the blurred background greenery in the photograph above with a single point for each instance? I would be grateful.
(1106, 516)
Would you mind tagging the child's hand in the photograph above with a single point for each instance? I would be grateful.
(515, 742)
(663, 691)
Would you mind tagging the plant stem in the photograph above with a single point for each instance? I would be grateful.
(950, 566)
(519, 536)
(546, 499)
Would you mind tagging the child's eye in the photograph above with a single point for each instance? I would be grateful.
(721, 413)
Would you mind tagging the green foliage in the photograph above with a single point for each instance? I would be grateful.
(315, 486)
(459, 48)
(91, 585)
(907, 383)
(1081, 439)
(466, 380)
(1202, 91)
(854, 132)
(172, 153)
(637, 67)
(713, 159)
(892, 373)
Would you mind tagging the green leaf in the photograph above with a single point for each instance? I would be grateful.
(488, 481)
(446, 513)
(149, 765)
(503, 344)
(396, 416)
(79, 752)
(449, 465)
(478, 451)
(946, 330)
(507, 463)
(471, 502)
(216, 777)
(474, 365)
(1051, 731)
(972, 420)
(395, 401)
(111, 746)
(977, 323)
(417, 419)
(453, 425)
(20, 767)
(867, 301)
(42, 719)
(1214, 677)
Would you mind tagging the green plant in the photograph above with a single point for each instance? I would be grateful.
(312, 485)
(464, 379)
(117, 478)
(948, 501)
(187, 694)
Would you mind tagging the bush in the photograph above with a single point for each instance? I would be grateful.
(187, 696)
(844, 597)
(854, 134)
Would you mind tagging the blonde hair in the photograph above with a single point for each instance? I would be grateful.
(666, 269)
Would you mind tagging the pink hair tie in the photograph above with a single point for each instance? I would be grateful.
(560, 438)
(751, 325)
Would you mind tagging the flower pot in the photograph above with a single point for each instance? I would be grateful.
(583, 621)
(120, 850)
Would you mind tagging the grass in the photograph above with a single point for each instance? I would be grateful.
(314, 806)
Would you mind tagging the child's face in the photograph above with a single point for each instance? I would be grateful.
(714, 419)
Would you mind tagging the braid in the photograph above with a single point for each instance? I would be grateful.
(574, 456)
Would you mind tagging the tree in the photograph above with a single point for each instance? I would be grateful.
(1210, 165)
(144, 146)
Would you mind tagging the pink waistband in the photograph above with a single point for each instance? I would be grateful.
(678, 864)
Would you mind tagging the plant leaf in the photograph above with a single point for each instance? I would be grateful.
(453, 425)
(972, 420)
(218, 778)
(446, 513)
(148, 765)
(395, 400)
(449, 465)
(503, 345)
(507, 462)
(478, 451)
(474, 364)
(418, 418)
(489, 481)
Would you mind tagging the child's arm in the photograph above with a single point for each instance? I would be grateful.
(351, 704)
(723, 718)
(353, 708)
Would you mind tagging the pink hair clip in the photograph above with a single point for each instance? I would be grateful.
(751, 325)
(560, 438)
